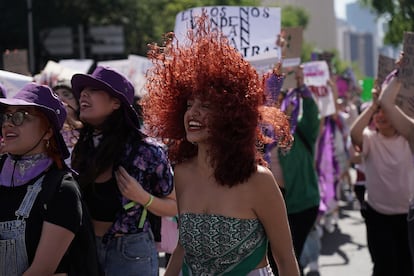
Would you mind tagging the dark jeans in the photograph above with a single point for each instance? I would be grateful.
(387, 238)
(359, 191)
(300, 225)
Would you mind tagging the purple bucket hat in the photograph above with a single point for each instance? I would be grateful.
(42, 97)
(112, 82)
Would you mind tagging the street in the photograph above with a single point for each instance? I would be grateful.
(344, 252)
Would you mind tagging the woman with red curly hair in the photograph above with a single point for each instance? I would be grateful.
(208, 102)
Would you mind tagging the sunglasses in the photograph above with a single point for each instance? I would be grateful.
(16, 118)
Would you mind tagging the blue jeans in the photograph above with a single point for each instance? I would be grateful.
(128, 255)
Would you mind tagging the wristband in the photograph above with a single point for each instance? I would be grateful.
(144, 212)
(149, 202)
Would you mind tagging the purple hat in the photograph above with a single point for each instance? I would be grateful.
(112, 82)
(42, 97)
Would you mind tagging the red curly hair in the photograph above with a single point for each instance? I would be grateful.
(210, 69)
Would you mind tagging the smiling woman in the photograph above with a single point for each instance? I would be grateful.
(207, 101)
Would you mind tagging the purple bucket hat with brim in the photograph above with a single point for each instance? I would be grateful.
(112, 82)
(42, 97)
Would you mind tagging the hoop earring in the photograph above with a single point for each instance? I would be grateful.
(47, 144)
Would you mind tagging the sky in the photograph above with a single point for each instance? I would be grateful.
(340, 7)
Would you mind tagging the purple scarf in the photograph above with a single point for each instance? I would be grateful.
(273, 85)
(19, 172)
(291, 100)
(326, 165)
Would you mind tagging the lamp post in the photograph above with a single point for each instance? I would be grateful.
(30, 33)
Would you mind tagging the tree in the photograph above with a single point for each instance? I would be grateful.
(294, 17)
(400, 14)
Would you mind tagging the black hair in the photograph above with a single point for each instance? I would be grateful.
(90, 161)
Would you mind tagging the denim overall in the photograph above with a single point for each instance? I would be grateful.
(13, 254)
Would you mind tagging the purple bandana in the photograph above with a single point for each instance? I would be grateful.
(24, 169)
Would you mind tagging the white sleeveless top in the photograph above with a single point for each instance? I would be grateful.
(389, 171)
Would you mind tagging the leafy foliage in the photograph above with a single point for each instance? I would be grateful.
(400, 14)
(294, 17)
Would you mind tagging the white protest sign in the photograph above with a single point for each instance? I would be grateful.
(316, 76)
(137, 73)
(120, 65)
(77, 65)
(13, 82)
(251, 30)
(54, 73)
(264, 63)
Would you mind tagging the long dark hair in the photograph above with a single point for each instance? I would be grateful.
(89, 161)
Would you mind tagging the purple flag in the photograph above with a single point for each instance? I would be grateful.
(326, 165)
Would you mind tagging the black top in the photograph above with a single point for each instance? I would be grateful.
(101, 202)
(63, 209)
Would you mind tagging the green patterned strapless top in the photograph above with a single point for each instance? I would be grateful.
(219, 245)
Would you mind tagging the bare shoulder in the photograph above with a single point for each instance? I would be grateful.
(183, 173)
(262, 180)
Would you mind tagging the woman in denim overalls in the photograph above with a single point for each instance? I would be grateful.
(34, 237)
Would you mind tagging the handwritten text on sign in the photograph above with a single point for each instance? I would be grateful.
(316, 76)
(251, 30)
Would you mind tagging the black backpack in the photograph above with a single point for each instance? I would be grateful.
(83, 258)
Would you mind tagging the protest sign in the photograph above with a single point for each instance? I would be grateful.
(290, 78)
(292, 52)
(291, 55)
(367, 85)
(316, 76)
(81, 66)
(54, 73)
(137, 73)
(385, 66)
(407, 66)
(251, 30)
(13, 82)
(405, 98)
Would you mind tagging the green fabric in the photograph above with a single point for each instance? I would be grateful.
(244, 267)
(298, 165)
(219, 245)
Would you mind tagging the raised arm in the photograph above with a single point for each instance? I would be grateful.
(361, 122)
(399, 120)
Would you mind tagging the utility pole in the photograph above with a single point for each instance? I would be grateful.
(30, 32)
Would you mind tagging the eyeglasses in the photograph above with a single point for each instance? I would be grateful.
(17, 118)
